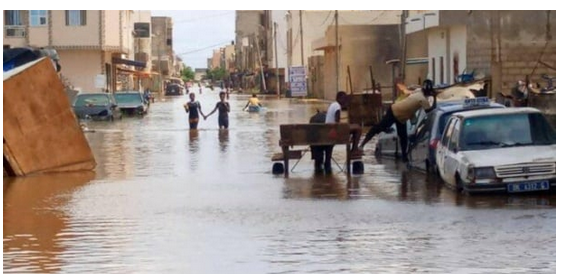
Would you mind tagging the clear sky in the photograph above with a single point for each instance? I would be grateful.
(196, 33)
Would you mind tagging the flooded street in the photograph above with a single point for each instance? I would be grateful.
(166, 200)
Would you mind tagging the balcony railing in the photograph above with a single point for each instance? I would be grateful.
(15, 31)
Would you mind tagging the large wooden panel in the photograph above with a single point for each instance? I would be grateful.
(364, 109)
(314, 134)
(41, 133)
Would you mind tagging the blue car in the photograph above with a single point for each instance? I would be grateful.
(131, 102)
(423, 144)
(96, 106)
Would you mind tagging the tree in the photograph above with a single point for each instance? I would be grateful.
(187, 74)
(216, 74)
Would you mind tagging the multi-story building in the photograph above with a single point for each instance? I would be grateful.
(91, 43)
(162, 47)
(253, 38)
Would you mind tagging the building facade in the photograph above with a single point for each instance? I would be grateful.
(90, 43)
(503, 46)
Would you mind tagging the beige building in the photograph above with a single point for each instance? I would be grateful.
(360, 47)
(253, 38)
(503, 46)
(90, 43)
(304, 27)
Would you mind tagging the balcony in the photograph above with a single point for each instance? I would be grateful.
(14, 31)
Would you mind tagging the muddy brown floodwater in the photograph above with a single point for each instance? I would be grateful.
(166, 200)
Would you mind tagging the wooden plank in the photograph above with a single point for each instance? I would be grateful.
(41, 133)
(293, 154)
(314, 134)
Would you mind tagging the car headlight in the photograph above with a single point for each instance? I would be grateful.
(481, 173)
(103, 113)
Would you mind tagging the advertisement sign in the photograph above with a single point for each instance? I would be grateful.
(298, 81)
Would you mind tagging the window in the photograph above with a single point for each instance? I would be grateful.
(37, 18)
(453, 145)
(13, 24)
(448, 132)
(75, 17)
(141, 30)
(12, 18)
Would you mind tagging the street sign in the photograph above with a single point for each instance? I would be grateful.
(298, 81)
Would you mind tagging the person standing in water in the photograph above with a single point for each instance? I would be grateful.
(193, 108)
(253, 103)
(223, 108)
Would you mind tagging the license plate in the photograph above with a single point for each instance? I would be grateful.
(528, 186)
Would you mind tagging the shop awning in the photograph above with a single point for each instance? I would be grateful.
(128, 62)
(139, 73)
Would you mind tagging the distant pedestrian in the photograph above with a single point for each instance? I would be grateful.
(193, 108)
(223, 108)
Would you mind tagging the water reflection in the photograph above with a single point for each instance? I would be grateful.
(223, 139)
(33, 219)
(321, 186)
(193, 140)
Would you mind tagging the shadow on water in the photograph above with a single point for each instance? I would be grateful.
(33, 219)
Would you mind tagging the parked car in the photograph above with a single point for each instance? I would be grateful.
(96, 106)
(504, 150)
(388, 142)
(131, 102)
(422, 148)
(174, 89)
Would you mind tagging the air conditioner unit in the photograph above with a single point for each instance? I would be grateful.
(15, 31)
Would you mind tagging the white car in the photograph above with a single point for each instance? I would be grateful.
(503, 150)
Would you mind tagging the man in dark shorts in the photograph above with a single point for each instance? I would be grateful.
(223, 108)
(193, 108)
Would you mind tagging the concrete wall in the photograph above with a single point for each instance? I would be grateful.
(112, 28)
(316, 80)
(506, 45)
(417, 47)
(456, 62)
(361, 47)
(81, 67)
(315, 24)
(38, 36)
(87, 35)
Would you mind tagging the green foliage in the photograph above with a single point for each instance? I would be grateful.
(216, 74)
(187, 74)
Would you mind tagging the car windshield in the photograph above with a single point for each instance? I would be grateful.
(127, 98)
(509, 130)
(92, 100)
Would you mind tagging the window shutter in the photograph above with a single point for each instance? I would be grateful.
(66, 18)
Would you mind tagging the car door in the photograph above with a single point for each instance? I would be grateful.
(451, 154)
(419, 145)
(442, 148)
(387, 142)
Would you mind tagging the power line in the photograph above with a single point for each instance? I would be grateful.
(203, 17)
(204, 48)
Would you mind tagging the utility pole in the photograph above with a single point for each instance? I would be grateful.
(260, 64)
(301, 30)
(276, 63)
(337, 54)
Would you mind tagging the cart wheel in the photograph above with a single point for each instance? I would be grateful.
(278, 168)
(358, 167)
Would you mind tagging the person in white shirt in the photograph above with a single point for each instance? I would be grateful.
(333, 116)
